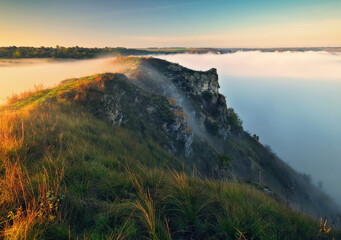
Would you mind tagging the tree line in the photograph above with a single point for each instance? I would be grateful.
(66, 52)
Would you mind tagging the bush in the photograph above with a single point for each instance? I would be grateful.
(213, 127)
(234, 120)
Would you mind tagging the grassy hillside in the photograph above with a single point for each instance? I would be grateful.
(65, 174)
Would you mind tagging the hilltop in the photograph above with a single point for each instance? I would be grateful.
(151, 152)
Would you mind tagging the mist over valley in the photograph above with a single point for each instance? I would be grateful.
(133, 113)
(290, 100)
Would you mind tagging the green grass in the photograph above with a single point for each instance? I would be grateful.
(64, 174)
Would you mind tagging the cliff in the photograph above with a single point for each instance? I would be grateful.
(194, 123)
(220, 129)
(138, 155)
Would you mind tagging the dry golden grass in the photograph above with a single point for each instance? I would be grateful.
(26, 94)
(10, 139)
(31, 203)
(27, 203)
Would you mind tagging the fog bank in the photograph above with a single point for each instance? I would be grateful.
(291, 100)
(20, 75)
(290, 65)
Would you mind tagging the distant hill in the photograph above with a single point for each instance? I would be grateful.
(84, 53)
(152, 152)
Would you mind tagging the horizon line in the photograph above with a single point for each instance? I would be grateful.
(56, 46)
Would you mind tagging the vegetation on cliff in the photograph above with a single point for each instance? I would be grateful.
(68, 174)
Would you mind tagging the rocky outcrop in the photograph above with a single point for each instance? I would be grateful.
(179, 131)
(194, 82)
(196, 91)
(118, 102)
(217, 129)
(112, 110)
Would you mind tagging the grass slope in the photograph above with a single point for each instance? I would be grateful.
(64, 174)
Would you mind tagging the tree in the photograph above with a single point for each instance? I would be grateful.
(234, 120)
(17, 54)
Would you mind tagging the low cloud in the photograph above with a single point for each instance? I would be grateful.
(20, 75)
(304, 65)
(291, 100)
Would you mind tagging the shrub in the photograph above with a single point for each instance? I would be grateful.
(212, 127)
(234, 120)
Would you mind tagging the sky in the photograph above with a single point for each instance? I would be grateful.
(171, 23)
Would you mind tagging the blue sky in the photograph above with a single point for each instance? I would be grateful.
(148, 23)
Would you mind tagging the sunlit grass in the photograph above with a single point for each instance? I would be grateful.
(65, 174)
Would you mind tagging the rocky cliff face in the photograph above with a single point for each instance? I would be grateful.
(193, 82)
(217, 129)
(123, 104)
(183, 111)
(203, 89)
(196, 91)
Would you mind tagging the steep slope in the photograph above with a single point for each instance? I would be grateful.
(221, 128)
(110, 156)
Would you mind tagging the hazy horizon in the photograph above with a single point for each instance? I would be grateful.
(174, 47)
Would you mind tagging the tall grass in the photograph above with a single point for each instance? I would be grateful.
(27, 94)
(27, 202)
(65, 174)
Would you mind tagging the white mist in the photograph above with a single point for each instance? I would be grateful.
(291, 100)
